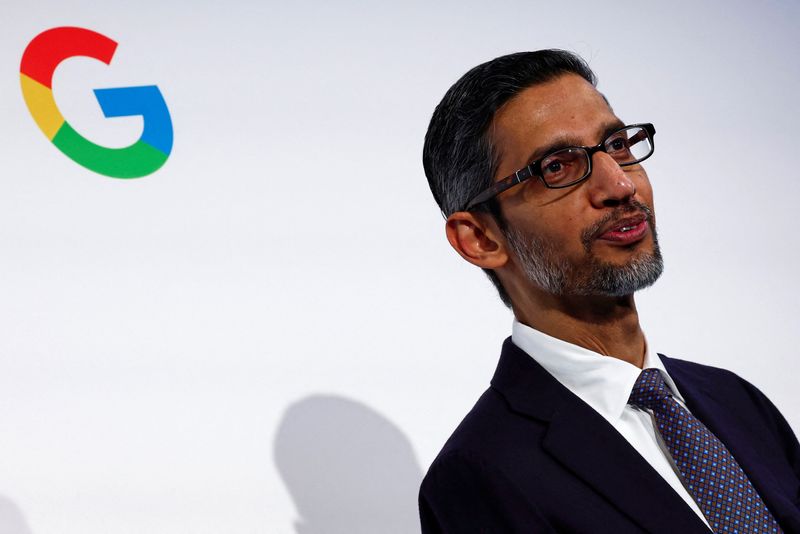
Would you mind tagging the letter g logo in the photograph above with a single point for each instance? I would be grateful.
(40, 59)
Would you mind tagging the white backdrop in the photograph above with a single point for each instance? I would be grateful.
(271, 334)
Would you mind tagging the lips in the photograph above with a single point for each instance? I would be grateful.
(625, 231)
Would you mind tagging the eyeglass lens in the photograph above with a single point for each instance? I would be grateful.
(570, 165)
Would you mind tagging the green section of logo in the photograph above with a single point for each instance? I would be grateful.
(133, 161)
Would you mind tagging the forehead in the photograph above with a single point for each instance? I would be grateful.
(567, 107)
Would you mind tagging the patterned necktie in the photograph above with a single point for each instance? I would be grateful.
(709, 471)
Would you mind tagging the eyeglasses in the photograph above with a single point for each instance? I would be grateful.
(569, 166)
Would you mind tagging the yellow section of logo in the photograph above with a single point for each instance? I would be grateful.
(42, 106)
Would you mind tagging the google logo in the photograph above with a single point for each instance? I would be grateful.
(40, 59)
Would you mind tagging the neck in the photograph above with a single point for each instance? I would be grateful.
(607, 325)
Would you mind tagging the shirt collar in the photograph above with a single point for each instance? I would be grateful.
(602, 382)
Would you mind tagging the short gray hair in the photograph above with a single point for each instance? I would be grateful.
(458, 155)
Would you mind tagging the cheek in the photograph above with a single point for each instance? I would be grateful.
(557, 224)
(563, 234)
(644, 190)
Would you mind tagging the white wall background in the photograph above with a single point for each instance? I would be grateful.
(271, 334)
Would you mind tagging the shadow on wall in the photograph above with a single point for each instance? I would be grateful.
(348, 468)
(11, 519)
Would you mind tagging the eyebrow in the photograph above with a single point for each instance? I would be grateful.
(567, 141)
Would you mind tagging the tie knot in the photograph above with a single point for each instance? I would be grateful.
(650, 390)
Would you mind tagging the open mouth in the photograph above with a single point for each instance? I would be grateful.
(626, 231)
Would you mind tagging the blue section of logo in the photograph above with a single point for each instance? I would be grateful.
(146, 101)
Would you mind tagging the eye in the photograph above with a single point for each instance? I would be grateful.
(564, 166)
(554, 167)
(618, 143)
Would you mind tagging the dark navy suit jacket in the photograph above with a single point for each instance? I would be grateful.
(533, 457)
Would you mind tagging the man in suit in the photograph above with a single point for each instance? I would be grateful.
(583, 428)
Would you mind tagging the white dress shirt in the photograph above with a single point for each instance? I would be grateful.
(605, 383)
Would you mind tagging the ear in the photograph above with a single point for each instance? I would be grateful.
(477, 239)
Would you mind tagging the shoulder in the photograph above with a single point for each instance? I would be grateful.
(730, 390)
(712, 380)
(490, 430)
(696, 371)
(474, 484)
(492, 439)
(492, 446)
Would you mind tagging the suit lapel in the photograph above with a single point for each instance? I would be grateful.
(592, 449)
(588, 446)
(710, 408)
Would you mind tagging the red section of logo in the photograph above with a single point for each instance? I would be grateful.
(54, 46)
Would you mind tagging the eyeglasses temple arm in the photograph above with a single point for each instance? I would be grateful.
(498, 187)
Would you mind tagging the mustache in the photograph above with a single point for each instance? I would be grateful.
(634, 206)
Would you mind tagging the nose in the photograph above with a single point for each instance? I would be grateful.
(609, 185)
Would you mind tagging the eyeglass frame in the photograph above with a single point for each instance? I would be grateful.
(534, 168)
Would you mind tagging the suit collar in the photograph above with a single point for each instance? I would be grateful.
(586, 444)
(527, 387)
(601, 381)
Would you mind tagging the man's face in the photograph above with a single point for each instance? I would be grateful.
(596, 238)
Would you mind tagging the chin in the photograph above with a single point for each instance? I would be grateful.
(618, 280)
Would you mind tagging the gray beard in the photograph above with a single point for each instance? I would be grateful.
(553, 273)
